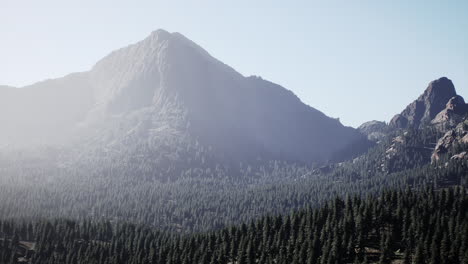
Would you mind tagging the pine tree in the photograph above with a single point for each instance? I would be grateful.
(419, 255)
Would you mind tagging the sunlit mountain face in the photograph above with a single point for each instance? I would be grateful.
(160, 153)
(167, 88)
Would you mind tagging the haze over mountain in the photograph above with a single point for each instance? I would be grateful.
(158, 152)
(164, 89)
(162, 135)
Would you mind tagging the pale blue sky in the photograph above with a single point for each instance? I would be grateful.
(356, 60)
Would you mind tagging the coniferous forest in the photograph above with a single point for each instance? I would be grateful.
(345, 213)
(427, 226)
(367, 210)
(162, 154)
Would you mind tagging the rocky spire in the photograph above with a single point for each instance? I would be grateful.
(427, 106)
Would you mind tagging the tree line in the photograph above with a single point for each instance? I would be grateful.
(426, 226)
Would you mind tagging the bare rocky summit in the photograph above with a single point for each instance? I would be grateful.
(424, 109)
(414, 134)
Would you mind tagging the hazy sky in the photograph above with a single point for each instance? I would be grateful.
(356, 60)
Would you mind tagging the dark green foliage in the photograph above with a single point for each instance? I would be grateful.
(426, 223)
(353, 230)
(196, 193)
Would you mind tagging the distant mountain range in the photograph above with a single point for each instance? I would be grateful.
(163, 134)
(164, 89)
(165, 93)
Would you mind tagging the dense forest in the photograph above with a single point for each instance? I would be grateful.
(198, 194)
(405, 226)
(133, 205)
(162, 153)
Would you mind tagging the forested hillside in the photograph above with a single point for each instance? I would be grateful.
(204, 195)
(162, 154)
(427, 226)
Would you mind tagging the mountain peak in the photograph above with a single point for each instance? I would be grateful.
(159, 31)
(440, 88)
(427, 106)
(166, 89)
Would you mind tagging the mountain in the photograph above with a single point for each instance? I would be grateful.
(428, 128)
(424, 109)
(454, 112)
(168, 89)
(451, 139)
(144, 138)
(374, 130)
(44, 112)
(438, 110)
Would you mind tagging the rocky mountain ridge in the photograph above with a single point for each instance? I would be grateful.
(165, 92)
(424, 109)
(436, 121)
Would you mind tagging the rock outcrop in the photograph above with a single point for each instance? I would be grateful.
(458, 135)
(454, 112)
(374, 130)
(424, 109)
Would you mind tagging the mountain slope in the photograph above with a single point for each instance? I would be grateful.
(416, 136)
(165, 88)
(427, 106)
(395, 227)
(44, 112)
(374, 130)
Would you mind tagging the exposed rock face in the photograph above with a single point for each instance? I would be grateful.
(164, 88)
(458, 135)
(440, 107)
(459, 156)
(392, 150)
(457, 105)
(399, 121)
(427, 106)
(374, 130)
(454, 112)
